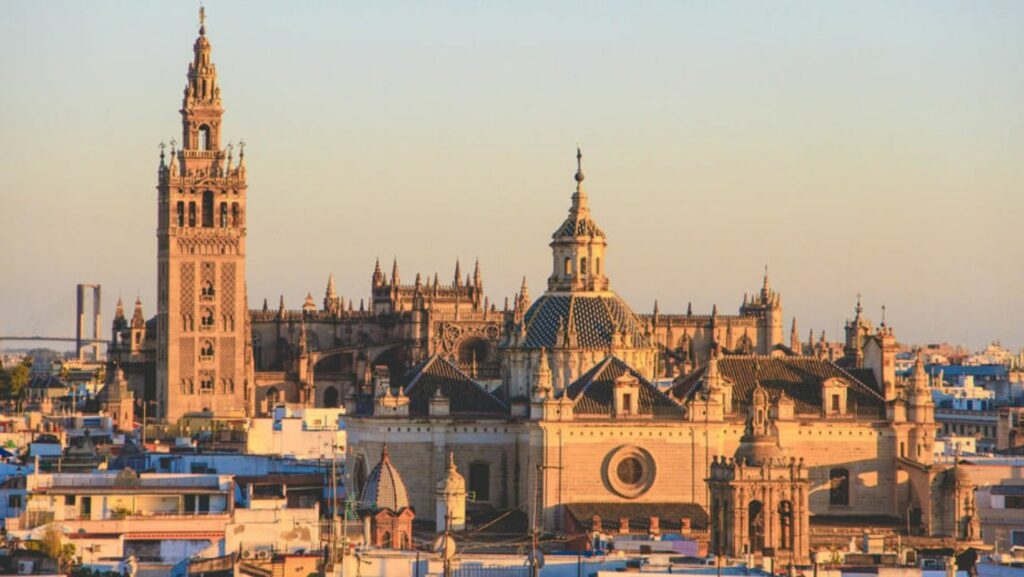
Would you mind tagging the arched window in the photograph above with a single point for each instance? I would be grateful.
(192, 214)
(480, 481)
(331, 397)
(755, 528)
(839, 487)
(204, 137)
(207, 209)
(207, 320)
(206, 351)
(234, 214)
(223, 215)
(181, 213)
(207, 291)
(597, 265)
(385, 540)
(786, 525)
(206, 385)
(568, 266)
(583, 266)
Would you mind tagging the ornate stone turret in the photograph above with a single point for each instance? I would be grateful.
(451, 499)
(116, 400)
(332, 303)
(578, 246)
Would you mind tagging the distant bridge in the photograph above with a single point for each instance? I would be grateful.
(52, 339)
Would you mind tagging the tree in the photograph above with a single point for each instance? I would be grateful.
(17, 381)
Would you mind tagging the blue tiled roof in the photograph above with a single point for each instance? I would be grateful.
(595, 318)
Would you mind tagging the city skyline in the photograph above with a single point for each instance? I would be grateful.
(690, 213)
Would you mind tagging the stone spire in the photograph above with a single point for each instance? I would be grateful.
(458, 274)
(478, 279)
(524, 291)
(918, 381)
(138, 320)
(394, 273)
(119, 320)
(330, 287)
(378, 276)
(794, 338)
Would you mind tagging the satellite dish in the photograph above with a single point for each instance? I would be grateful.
(539, 555)
(444, 546)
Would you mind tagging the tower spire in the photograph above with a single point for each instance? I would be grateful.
(579, 199)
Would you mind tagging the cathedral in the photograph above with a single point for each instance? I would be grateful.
(570, 407)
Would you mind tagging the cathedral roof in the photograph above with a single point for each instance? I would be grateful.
(798, 377)
(596, 319)
(593, 392)
(385, 488)
(465, 395)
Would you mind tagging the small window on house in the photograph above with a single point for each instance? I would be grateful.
(597, 265)
(583, 266)
(207, 320)
(207, 350)
(839, 487)
(69, 499)
(903, 449)
(207, 292)
(627, 403)
(835, 403)
(234, 214)
(192, 214)
(181, 213)
(568, 265)
(223, 215)
(206, 386)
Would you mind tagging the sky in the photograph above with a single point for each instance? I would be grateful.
(852, 147)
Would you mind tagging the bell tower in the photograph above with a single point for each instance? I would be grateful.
(203, 341)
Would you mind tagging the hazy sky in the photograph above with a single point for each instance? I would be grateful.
(871, 147)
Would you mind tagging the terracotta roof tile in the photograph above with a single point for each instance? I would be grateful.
(798, 377)
(592, 392)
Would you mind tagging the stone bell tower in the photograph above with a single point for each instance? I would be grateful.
(203, 341)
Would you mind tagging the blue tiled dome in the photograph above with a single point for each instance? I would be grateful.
(384, 487)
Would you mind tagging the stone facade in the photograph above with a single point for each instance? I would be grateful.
(203, 334)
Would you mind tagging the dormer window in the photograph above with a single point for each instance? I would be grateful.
(833, 397)
(627, 396)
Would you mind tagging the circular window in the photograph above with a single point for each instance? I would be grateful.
(629, 471)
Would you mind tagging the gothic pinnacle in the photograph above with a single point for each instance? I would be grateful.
(330, 286)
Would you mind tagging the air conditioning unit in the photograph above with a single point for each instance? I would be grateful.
(26, 567)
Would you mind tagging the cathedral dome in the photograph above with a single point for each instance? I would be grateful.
(756, 450)
(584, 321)
(385, 488)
